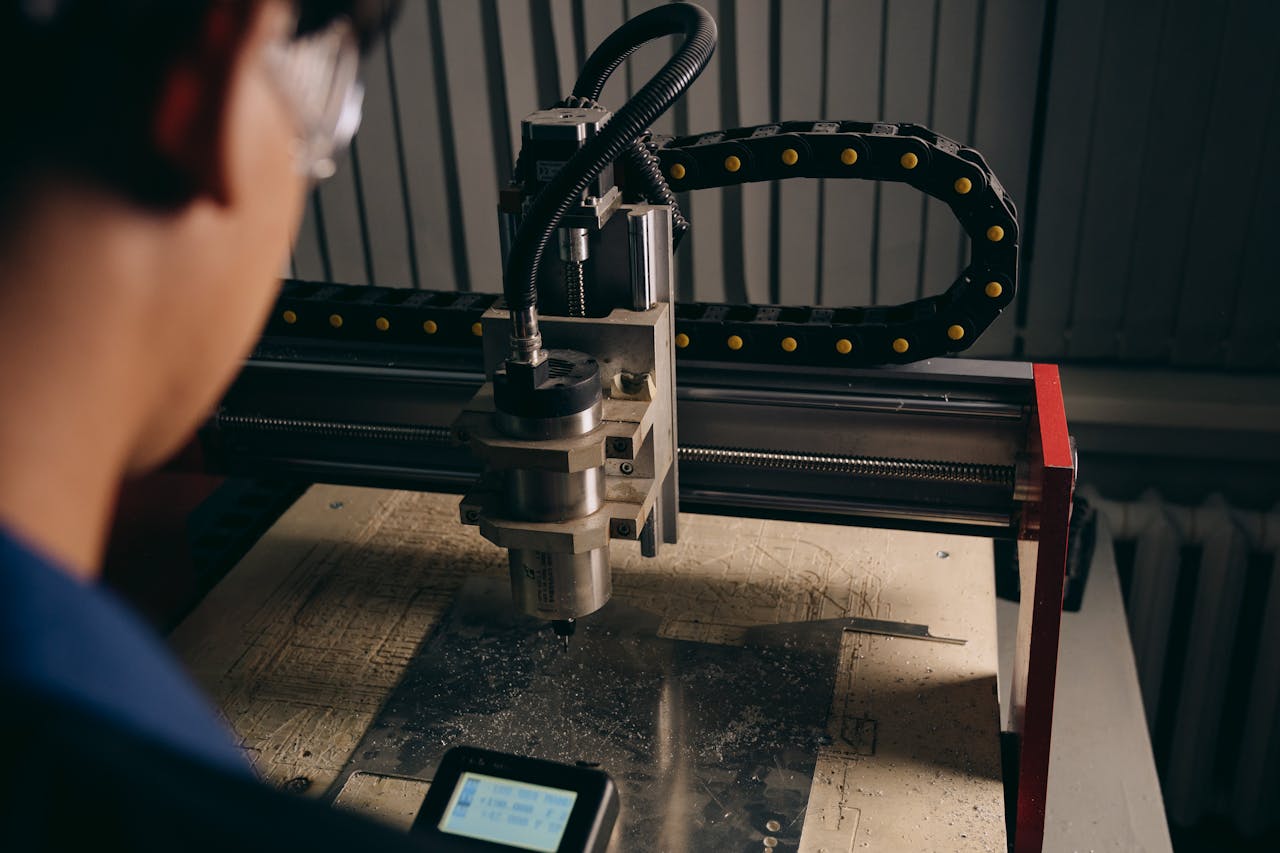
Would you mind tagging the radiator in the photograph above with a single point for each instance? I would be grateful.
(1203, 600)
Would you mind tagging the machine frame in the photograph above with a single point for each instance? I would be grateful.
(374, 386)
(323, 402)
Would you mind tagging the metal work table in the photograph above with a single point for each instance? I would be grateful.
(302, 643)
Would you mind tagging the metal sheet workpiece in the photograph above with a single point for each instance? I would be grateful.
(712, 746)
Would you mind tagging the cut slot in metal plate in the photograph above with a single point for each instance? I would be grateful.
(712, 746)
(907, 630)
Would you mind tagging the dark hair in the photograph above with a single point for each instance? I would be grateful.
(82, 78)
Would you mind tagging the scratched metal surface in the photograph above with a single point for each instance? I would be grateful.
(302, 644)
(711, 746)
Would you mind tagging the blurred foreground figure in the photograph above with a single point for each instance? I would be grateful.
(153, 164)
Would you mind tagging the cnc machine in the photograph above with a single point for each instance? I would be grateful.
(585, 404)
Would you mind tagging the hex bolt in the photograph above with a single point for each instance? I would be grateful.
(627, 468)
(633, 382)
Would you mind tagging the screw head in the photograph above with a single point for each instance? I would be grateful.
(471, 516)
(623, 528)
(632, 382)
(296, 785)
(627, 468)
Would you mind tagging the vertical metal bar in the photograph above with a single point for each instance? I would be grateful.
(1044, 309)
(775, 114)
(641, 247)
(905, 88)
(731, 244)
(426, 166)
(952, 89)
(406, 207)
(1031, 207)
(362, 214)
(1086, 170)
(550, 86)
(379, 180)
(848, 218)
(972, 129)
(448, 149)
(310, 254)
(801, 90)
(878, 188)
(342, 223)
(750, 78)
(1042, 566)
(499, 114)
(931, 103)
(819, 230)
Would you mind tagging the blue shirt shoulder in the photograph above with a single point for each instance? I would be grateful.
(73, 642)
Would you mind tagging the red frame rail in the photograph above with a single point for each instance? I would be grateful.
(1042, 561)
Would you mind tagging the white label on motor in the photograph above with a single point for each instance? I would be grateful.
(547, 169)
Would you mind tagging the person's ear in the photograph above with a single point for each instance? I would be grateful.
(189, 124)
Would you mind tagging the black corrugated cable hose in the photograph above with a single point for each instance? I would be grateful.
(628, 125)
(654, 187)
(645, 171)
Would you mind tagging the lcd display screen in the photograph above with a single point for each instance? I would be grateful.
(504, 811)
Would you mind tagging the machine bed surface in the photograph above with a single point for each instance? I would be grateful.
(304, 641)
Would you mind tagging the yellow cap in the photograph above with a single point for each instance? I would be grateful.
(790, 157)
(682, 340)
(963, 185)
(789, 345)
(676, 171)
(430, 327)
(848, 156)
(734, 342)
(909, 160)
(993, 289)
(382, 324)
(289, 317)
(477, 329)
(995, 233)
(955, 332)
(732, 163)
(844, 346)
(335, 320)
(901, 345)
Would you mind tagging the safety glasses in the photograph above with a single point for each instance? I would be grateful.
(318, 75)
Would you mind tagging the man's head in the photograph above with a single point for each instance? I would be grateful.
(172, 141)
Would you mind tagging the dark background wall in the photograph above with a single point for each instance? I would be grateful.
(1139, 138)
